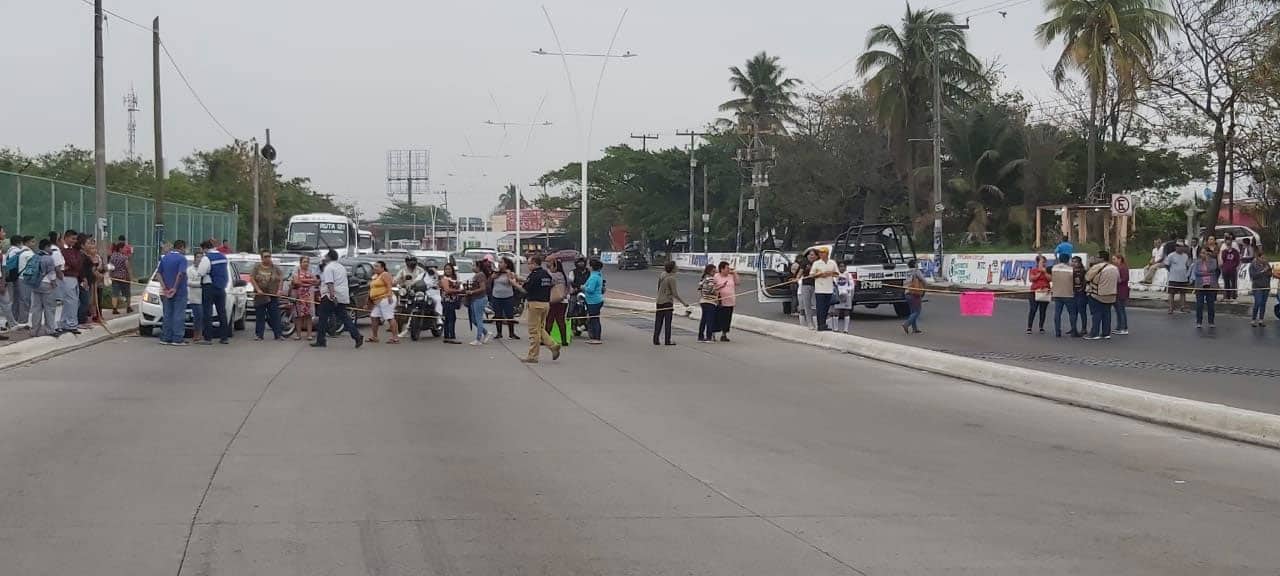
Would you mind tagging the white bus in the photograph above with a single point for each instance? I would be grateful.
(316, 234)
(364, 242)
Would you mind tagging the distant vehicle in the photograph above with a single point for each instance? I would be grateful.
(364, 242)
(1240, 232)
(317, 234)
(480, 254)
(632, 259)
(875, 254)
(152, 311)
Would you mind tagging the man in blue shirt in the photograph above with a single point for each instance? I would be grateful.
(173, 295)
(1064, 247)
(214, 279)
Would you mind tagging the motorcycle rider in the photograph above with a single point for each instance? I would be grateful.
(410, 274)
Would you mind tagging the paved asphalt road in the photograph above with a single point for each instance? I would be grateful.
(1232, 364)
(749, 458)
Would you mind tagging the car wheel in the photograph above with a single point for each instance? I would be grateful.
(146, 330)
(902, 309)
(239, 324)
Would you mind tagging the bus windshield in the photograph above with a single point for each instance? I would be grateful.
(317, 236)
(364, 242)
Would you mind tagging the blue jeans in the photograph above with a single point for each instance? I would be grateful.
(1205, 299)
(1058, 305)
(1082, 311)
(1101, 312)
(265, 312)
(476, 313)
(1259, 305)
(213, 300)
(450, 321)
(593, 320)
(330, 308)
(504, 310)
(173, 327)
(197, 318)
(1122, 315)
(707, 326)
(823, 307)
(69, 292)
(916, 305)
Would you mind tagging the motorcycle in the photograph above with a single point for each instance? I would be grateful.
(420, 305)
(578, 314)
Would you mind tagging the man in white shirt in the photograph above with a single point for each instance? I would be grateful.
(335, 296)
(824, 273)
(22, 253)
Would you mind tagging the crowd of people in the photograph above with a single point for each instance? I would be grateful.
(67, 269)
(823, 286)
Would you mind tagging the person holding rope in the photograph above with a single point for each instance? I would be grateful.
(267, 279)
(383, 304)
(824, 272)
(505, 286)
(1062, 279)
(303, 289)
(666, 303)
(335, 297)
(805, 290)
(538, 287)
(916, 285)
(450, 294)
(1041, 293)
(1102, 278)
(478, 299)
(560, 290)
(1205, 274)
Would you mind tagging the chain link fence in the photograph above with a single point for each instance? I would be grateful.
(30, 205)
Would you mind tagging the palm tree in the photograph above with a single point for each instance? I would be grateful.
(1104, 40)
(901, 87)
(766, 99)
(987, 156)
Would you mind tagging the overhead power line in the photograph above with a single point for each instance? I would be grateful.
(192, 89)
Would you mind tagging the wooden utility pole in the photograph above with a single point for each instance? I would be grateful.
(158, 192)
(644, 140)
(99, 131)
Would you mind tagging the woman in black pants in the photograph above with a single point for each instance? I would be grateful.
(709, 297)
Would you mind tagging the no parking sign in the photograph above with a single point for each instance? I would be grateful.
(1121, 205)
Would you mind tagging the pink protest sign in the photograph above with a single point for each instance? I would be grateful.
(977, 303)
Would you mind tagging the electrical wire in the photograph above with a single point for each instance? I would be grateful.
(117, 15)
(993, 7)
(192, 89)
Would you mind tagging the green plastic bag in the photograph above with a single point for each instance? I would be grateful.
(563, 339)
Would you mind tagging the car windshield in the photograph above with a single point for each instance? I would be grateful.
(317, 235)
(464, 266)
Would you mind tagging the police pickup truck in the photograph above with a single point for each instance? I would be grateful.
(875, 258)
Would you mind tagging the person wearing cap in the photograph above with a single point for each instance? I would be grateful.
(1178, 265)
(1102, 278)
(824, 273)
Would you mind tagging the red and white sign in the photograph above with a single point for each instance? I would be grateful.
(535, 220)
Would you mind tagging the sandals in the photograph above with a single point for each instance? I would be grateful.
(371, 339)
(396, 341)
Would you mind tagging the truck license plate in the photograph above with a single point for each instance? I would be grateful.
(871, 284)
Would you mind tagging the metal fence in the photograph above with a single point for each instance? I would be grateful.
(30, 205)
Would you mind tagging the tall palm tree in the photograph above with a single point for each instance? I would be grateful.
(988, 157)
(901, 86)
(1104, 40)
(766, 101)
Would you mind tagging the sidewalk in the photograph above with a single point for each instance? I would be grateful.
(1152, 297)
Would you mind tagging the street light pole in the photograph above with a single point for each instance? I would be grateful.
(99, 132)
(937, 150)
(586, 136)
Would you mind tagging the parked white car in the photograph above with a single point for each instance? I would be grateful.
(152, 312)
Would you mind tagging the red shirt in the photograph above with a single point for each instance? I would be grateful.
(224, 249)
(1039, 279)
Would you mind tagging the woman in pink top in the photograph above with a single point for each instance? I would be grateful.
(726, 289)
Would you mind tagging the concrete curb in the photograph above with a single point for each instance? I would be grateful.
(1205, 417)
(44, 347)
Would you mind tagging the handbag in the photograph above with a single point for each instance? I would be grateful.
(1044, 295)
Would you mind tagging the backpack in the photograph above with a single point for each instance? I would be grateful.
(34, 273)
(11, 267)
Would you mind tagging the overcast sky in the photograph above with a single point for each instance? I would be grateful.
(339, 84)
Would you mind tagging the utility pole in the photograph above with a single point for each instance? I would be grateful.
(644, 140)
(270, 190)
(937, 150)
(758, 159)
(256, 202)
(693, 165)
(706, 216)
(158, 192)
(99, 131)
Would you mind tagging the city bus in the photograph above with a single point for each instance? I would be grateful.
(364, 242)
(316, 234)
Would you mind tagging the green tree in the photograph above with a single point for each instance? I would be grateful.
(901, 84)
(766, 100)
(507, 199)
(987, 154)
(400, 212)
(1106, 41)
